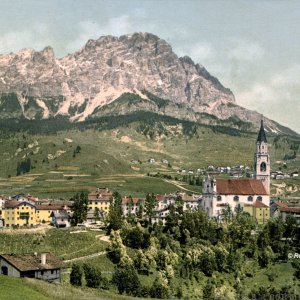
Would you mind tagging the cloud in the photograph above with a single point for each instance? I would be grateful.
(34, 37)
(277, 98)
(93, 30)
(244, 50)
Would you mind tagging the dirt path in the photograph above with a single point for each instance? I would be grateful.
(179, 186)
(85, 257)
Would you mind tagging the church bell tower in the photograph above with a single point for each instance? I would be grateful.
(262, 159)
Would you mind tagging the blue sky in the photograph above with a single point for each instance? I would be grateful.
(252, 46)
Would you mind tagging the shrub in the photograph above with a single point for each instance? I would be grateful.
(76, 275)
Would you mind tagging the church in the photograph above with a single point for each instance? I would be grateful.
(249, 195)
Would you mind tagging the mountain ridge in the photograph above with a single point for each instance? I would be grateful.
(82, 84)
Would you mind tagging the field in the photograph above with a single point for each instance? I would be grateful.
(67, 162)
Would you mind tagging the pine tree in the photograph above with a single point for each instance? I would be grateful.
(80, 208)
(115, 214)
(150, 205)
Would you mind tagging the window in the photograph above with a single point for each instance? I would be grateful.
(263, 167)
(219, 198)
(259, 198)
(250, 198)
(236, 198)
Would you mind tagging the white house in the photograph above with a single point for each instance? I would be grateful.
(44, 266)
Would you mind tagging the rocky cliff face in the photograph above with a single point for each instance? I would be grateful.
(79, 85)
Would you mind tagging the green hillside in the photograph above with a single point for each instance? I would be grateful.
(56, 158)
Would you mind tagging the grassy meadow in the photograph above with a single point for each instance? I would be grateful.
(67, 162)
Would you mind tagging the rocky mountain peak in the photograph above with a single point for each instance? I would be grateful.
(79, 84)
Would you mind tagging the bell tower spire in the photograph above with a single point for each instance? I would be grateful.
(262, 159)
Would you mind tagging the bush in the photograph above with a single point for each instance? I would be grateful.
(92, 276)
(76, 275)
(126, 280)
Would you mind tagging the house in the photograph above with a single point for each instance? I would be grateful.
(60, 219)
(25, 198)
(251, 195)
(100, 198)
(131, 205)
(164, 201)
(16, 213)
(285, 208)
(44, 212)
(294, 174)
(44, 266)
(2, 202)
(189, 201)
(258, 210)
(25, 213)
(151, 161)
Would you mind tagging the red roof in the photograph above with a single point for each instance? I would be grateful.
(52, 207)
(290, 209)
(259, 204)
(135, 200)
(240, 187)
(14, 203)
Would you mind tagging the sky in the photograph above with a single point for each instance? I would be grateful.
(251, 46)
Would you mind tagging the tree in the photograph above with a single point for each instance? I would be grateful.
(76, 275)
(24, 166)
(265, 257)
(160, 288)
(117, 251)
(97, 214)
(92, 276)
(130, 216)
(80, 208)
(115, 214)
(209, 291)
(150, 205)
(126, 280)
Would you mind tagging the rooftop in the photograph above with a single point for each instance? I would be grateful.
(30, 262)
(240, 187)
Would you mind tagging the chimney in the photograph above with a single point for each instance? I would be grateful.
(43, 258)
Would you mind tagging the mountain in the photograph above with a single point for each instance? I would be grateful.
(98, 79)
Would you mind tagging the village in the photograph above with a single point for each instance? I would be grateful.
(220, 197)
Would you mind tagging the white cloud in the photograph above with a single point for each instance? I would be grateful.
(34, 37)
(202, 52)
(244, 50)
(277, 98)
(93, 30)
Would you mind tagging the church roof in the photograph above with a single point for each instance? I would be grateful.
(262, 135)
(240, 187)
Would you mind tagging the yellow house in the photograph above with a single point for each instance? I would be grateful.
(100, 198)
(43, 212)
(258, 210)
(16, 213)
(23, 213)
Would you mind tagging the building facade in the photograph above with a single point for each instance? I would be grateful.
(249, 195)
